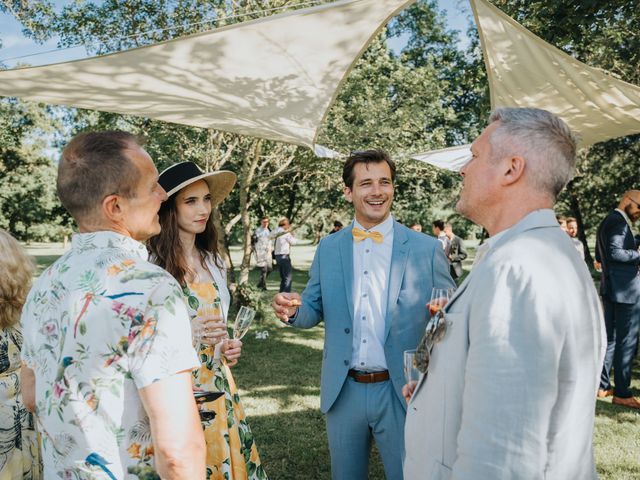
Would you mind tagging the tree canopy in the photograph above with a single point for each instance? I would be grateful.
(428, 93)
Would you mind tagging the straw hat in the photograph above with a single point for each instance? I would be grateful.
(180, 175)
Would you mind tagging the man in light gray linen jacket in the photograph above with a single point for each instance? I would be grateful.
(510, 388)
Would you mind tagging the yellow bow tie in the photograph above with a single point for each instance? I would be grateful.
(359, 235)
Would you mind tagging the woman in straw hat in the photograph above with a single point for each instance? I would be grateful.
(187, 247)
(19, 451)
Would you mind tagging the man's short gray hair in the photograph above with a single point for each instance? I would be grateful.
(542, 139)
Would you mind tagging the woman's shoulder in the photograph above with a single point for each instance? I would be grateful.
(216, 262)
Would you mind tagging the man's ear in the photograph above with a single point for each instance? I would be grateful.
(347, 194)
(112, 208)
(513, 169)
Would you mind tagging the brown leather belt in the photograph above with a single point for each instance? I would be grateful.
(372, 377)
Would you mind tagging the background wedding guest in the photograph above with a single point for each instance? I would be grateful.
(106, 333)
(572, 231)
(187, 247)
(282, 250)
(617, 252)
(263, 248)
(437, 227)
(369, 283)
(512, 364)
(562, 221)
(457, 252)
(337, 226)
(416, 227)
(19, 449)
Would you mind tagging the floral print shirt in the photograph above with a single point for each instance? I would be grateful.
(98, 325)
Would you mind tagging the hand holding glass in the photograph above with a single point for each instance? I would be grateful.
(208, 327)
(439, 299)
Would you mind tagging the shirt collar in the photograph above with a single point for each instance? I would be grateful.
(385, 228)
(624, 215)
(107, 239)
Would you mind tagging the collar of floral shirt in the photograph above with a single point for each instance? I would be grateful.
(108, 239)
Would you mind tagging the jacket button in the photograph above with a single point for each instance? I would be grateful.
(346, 330)
(346, 362)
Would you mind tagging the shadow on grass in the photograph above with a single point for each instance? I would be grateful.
(617, 413)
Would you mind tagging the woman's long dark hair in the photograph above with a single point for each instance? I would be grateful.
(166, 249)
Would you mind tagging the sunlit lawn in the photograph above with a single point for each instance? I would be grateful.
(279, 378)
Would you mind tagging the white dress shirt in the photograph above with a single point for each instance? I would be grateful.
(371, 267)
(284, 242)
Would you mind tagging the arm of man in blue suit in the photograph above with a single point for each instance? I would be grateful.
(309, 314)
(305, 311)
(615, 233)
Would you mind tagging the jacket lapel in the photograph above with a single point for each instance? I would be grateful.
(399, 256)
(346, 258)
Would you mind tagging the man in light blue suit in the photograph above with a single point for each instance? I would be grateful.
(370, 283)
(512, 365)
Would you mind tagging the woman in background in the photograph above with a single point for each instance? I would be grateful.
(187, 247)
(19, 451)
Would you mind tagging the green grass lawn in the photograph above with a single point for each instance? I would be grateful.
(279, 380)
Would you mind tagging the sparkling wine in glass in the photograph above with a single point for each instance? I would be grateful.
(439, 299)
(243, 322)
(205, 313)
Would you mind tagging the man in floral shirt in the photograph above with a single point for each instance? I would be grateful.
(107, 342)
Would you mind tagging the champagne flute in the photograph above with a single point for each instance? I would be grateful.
(243, 322)
(439, 299)
(411, 373)
(204, 314)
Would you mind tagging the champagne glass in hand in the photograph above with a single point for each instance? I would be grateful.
(243, 322)
(208, 326)
(439, 299)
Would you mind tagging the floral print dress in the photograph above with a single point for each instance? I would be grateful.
(231, 450)
(19, 451)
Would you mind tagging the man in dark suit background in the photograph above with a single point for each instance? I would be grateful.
(617, 251)
(457, 253)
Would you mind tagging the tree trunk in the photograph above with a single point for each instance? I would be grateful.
(293, 193)
(223, 244)
(577, 213)
(247, 173)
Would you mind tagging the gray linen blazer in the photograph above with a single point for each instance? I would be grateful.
(510, 392)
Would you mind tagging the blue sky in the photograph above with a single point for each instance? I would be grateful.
(15, 44)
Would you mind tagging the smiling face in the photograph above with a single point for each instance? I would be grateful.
(371, 193)
(193, 207)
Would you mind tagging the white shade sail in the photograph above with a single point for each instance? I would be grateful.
(273, 78)
(525, 71)
(452, 158)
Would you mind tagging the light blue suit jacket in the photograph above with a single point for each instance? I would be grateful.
(511, 388)
(418, 264)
